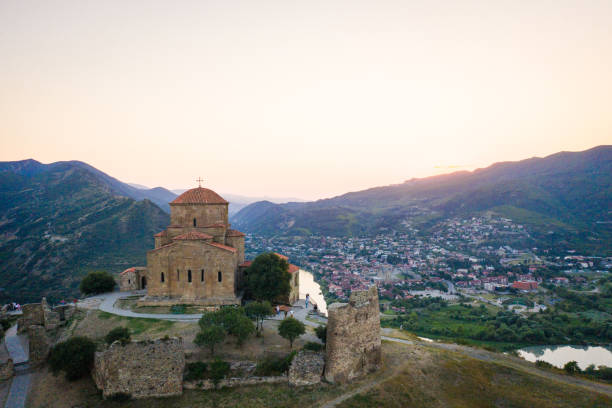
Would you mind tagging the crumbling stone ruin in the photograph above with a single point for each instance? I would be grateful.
(353, 337)
(141, 369)
(32, 315)
(306, 368)
(39, 344)
(41, 314)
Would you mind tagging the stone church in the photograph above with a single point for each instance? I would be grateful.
(198, 259)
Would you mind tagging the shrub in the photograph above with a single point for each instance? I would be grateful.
(312, 346)
(118, 333)
(572, 367)
(543, 364)
(196, 371)
(178, 309)
(97, 282)
(321, 332)
(218, 370)
(74, 357)
(5, 324)
(290, 329)
(274, 365)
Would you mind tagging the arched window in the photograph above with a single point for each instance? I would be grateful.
(178, 275)
(189, 275)
(129, 282)
(219, 276)
(202, 275)
(194, 222)
(163, 278)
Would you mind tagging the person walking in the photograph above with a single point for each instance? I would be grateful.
(307, 299)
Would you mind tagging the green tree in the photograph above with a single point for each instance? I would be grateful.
(74, 357)
(242, 329)
(118, 333)
(291, 329)
(97, 282)
(210, 336)
(258, 311)
(268, 278)
(218, 369)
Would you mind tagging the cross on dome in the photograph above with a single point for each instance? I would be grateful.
(200, 180)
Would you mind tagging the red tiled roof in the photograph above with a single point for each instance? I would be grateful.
(192, 235)
(293, 268)
(234, 233)
(286, 258)
(132, 269)
(161, 234)
(162, 247)
(246, 264)
(221, 246)
(199, 195)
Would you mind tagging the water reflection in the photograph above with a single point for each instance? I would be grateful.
(559, 355)
(309, 286)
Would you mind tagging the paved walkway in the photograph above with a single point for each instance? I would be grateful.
(109, 300)
(21, 382)
(14, 347)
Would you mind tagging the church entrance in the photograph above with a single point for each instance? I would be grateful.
(143, 283)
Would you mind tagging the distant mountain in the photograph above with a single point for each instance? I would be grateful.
(568, 194)
(158, 195)
(238, 202)
(61, 220)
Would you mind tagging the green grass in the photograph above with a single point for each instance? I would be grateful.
(138, 325)
(457, 381)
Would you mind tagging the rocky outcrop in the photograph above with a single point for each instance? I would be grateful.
(141, 369)
(353, 337)
(39, 344)
(306, 368)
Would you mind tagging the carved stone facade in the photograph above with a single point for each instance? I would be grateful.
(196, 259)
(353, 337)
(306, 368)
(141, 369)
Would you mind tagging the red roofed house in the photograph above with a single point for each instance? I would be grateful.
(525, 285)
(196, 259)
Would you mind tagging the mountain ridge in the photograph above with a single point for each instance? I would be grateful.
(553, 188)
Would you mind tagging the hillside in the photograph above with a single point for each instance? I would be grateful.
(158, 195)
(566, 195)
(60, 221)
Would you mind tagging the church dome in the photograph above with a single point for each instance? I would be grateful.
(199, 195)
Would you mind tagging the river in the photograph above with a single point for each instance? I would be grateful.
(309, 286)
(559, 355)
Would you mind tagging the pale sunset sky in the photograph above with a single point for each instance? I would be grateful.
(306, 99)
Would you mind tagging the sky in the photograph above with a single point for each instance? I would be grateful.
(305, 99)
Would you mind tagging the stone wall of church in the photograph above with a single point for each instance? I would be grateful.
(353, 337)
(238, 243)
(177, 260)
(205, 214)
